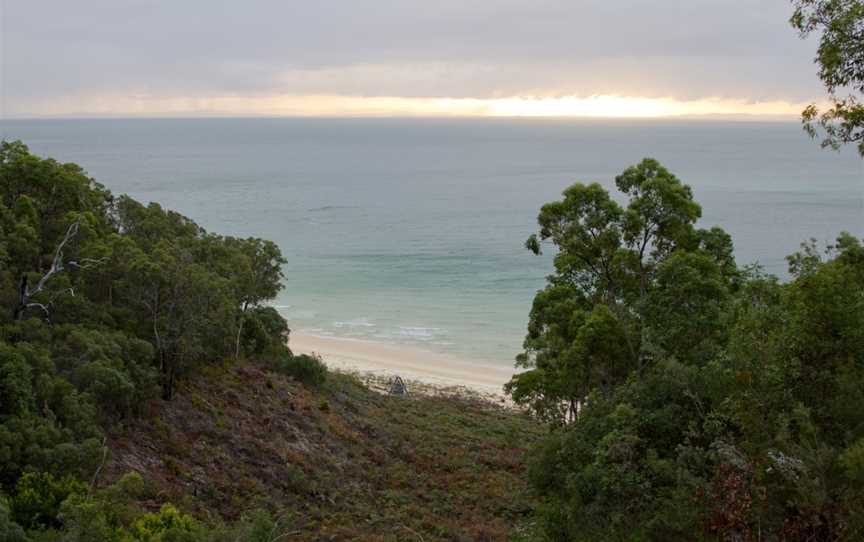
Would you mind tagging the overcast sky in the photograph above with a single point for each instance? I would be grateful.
(71, 56)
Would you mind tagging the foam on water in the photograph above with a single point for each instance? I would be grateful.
(420, 333)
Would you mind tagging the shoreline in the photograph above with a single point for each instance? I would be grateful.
(387, 360)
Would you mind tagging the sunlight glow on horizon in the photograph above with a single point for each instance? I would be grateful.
(599, 106)
(610, 106)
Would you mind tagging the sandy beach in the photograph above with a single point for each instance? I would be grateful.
(409, 363)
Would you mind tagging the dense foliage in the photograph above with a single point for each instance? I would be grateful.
(691, 399)
(105, 304)
(630, 283)
(840, 57)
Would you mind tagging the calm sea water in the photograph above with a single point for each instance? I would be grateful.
(411, 231)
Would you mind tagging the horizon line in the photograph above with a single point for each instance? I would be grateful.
(739, 117)
(608, 106)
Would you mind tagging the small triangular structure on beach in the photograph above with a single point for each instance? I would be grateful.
(397, 386)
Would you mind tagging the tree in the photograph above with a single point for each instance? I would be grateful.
(594, 322)
(746, 426)
(9, 530)
(193, 291)
(41, 194)
(105, 301)
(185, 307)
(59, 263)
(257, 277)
(684, 307)
(840, 57)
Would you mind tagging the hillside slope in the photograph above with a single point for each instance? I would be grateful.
(339, 463)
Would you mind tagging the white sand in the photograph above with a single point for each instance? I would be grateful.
(408, 363)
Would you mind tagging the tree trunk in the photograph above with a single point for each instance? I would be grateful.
(167, 379)
(18, 314)
(239, 332)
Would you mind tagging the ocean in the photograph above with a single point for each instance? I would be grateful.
(411, 231)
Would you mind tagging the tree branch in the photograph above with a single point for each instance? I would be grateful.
(26, 293)
(57, 263)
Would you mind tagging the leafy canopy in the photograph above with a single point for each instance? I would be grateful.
(106, 304)
(840, 57)
(618, 272)
(688, 399)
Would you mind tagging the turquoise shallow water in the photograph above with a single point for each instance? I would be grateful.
(411, 231)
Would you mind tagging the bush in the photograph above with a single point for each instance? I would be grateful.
(9, 530)
(16, 390)
(308, 369)
(104, 515)
(92, 520)
(257, 526)
(169, 524)
(38, 496)
(265, 331)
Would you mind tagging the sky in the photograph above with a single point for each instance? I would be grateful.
(630, 58)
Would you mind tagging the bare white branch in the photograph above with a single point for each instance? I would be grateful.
(57, 263)
(86, 263)
(70, 291)
(40, 306)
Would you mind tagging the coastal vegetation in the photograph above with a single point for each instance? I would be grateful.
(667, 392)
(840, 58)
(147, 393)
(689, 398)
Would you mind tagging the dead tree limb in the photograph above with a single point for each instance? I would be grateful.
(25, 293)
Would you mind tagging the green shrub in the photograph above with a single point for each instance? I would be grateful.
(168, 525)
(257, 526)
(110, 388)
(92, 520)
(105, 515)
(115, 370)
(16, 391)
(265, 331)
(38, 496)
(308, 369)
(9, 530)
(852, 462)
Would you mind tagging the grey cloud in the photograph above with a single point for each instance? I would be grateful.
(459, 48)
